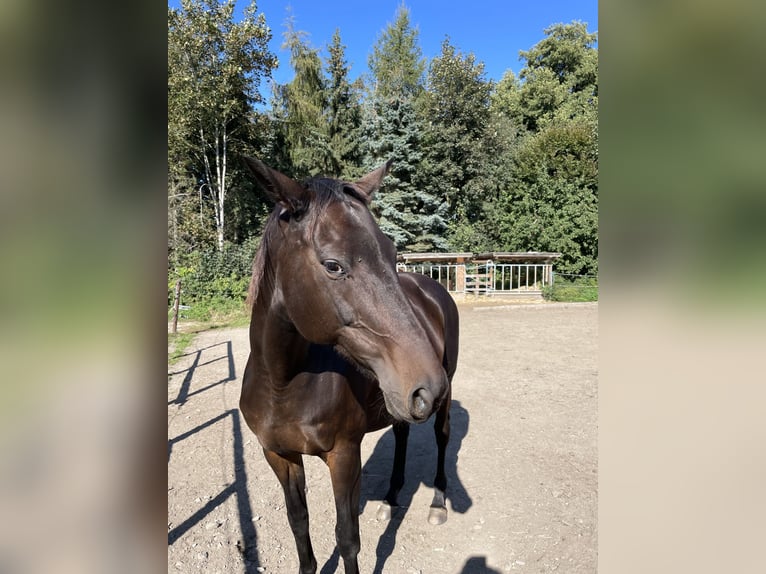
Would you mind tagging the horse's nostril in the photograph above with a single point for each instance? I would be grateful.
(422, 404)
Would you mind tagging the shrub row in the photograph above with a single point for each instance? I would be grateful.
(212, 280)
(577, 290)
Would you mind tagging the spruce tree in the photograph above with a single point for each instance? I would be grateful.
(409, 215)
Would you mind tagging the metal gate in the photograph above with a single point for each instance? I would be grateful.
(487, 278)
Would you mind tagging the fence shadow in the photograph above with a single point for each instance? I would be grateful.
(420, 469)
(238, 488)
(183, 392)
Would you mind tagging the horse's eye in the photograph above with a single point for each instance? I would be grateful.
(333, 267)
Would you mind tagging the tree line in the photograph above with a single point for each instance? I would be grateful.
(478, 165)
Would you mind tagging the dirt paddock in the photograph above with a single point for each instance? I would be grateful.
(522, 461)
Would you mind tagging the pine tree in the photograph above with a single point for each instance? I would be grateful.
(396, 62)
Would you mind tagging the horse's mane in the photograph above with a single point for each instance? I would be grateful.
(262, 270)
(320, 192)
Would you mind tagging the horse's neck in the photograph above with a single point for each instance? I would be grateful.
(275, 341)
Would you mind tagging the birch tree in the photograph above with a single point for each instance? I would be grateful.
(215, 66)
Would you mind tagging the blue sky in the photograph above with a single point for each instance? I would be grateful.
(494, 30)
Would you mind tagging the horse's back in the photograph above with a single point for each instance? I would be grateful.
(438, 312)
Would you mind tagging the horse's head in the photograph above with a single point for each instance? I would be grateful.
(335, 280)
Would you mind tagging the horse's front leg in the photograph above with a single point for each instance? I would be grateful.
(438, 513)
(345, 465)
(289, 471)
(401, 434)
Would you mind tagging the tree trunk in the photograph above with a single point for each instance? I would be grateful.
(220, 172)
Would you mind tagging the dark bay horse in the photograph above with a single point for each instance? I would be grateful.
(341, 345)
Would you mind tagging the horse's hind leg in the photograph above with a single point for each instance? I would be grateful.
(290, 473)
(401, 433)
(438, 513)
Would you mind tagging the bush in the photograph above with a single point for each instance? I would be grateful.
(572, 290)
(213, 283)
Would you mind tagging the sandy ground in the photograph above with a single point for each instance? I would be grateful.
(522, 462)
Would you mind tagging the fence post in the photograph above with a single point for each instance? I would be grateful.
(176, 302)
(460, 278)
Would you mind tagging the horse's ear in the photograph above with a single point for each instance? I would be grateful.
(370, 183)
(279, 187)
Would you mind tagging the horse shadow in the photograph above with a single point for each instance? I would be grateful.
(478, 565)
(420, 469)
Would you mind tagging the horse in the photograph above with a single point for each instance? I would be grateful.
(341, 345)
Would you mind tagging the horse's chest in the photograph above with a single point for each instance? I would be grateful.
(294, 437)
(308, 417)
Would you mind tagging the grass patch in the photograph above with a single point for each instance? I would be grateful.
(202, 316)
(217, 312)
(579, 290)
(177, 345)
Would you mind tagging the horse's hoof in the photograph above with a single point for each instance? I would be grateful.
(384, 512)
(437, 515)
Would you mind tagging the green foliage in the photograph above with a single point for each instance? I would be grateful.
(461, 147)
(215, 66)
(549, 199)
(304, 98)
(214, 278)
(560, 77)
(412, 217)
(316, 117)
(215, 311)
(581, 289)
(552, 203)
